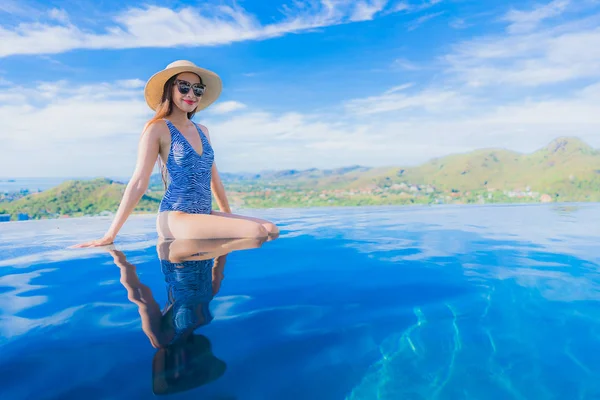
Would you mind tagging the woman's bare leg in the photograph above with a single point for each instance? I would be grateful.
(179, 225)
(271, 228)
(178, 250)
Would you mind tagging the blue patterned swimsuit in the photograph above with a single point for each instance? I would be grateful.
(189, 293)
(189, 175)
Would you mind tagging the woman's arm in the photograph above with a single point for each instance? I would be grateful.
(148, 149)
(218, 272)
(219, 191)
(216, 184)
(138, 184)
(142, 296)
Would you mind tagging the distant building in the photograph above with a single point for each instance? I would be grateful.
(545, 198)
(22, 217)
(4, 217)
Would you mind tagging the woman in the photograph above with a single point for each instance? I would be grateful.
(193, 271)
(184, 148)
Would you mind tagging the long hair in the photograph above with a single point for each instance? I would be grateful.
(164, 109)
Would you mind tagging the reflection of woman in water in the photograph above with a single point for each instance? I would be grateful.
(193, 273)
(185, 150)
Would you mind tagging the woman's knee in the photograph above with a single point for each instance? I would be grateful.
(263, 232)
(271, 228)
(258, 231)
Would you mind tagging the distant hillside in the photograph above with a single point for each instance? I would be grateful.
(567, 169)
(564, 162)
(76, 198)
(565, 166)
(307, 176)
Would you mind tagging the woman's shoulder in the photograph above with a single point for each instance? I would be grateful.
(204, 130)
(203, 127)
(156, 128)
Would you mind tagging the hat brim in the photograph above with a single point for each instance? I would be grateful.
(185, 366)
(154, 87)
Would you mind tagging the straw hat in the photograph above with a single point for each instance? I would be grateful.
(155, 85)
(185, 365)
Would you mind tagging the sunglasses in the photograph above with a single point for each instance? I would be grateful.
(184, 87)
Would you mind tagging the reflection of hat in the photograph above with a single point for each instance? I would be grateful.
(154, 87)
(185, 365)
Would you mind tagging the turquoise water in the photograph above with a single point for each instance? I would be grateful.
(445, 302)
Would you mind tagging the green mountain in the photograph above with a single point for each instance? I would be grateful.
(308, 174)
(76, 198)
(563, 163)
(567, 169)
(292, 176)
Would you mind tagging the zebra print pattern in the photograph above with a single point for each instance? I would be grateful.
(189, 175)
(189, 285)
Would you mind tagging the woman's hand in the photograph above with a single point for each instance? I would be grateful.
(118, 255)
(106, 240)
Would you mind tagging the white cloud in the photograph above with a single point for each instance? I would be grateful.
(551, 55)
(430, 125)
(429, 100)
(131, 83)
(93, 130)
(226, 107)
(401, 6)
(423, 19)
(406, 64)
(80, 131)
(399, 88)
(15, 8)
(458, 23)
(365, 11)
(523, 21)
(62, 129)
(59, 15)
(412, 6)
(487, 97)
(155, 26)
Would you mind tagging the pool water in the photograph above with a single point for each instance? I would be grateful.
(444, 302)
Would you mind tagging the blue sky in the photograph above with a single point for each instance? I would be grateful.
(307, 84)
